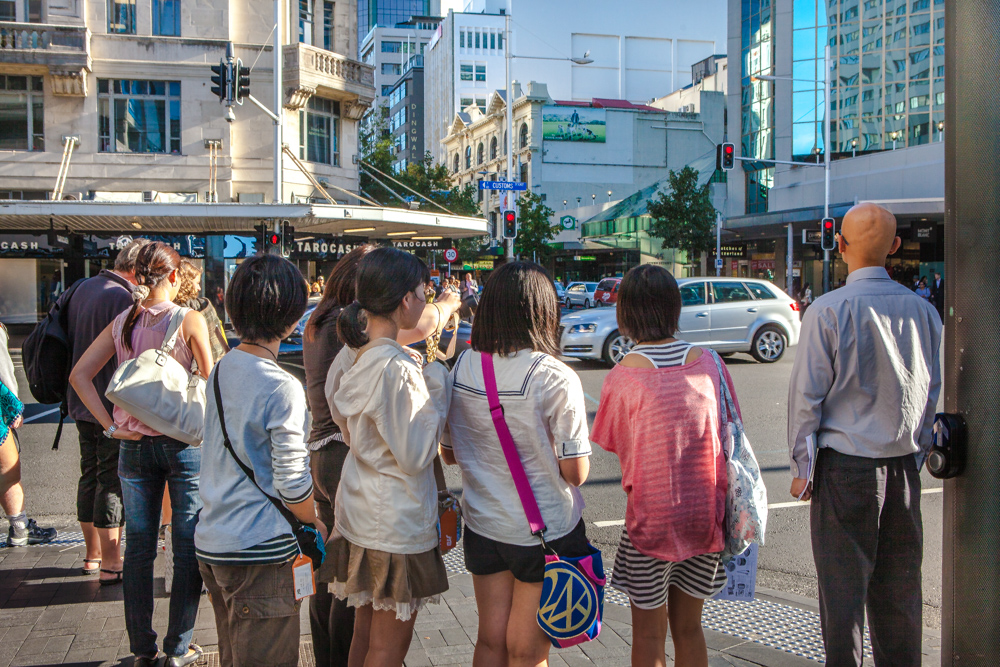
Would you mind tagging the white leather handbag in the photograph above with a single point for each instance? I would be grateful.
(158, 391)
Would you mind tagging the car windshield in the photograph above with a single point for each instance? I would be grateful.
(591, 287)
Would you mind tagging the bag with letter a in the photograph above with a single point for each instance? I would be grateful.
(572, 602)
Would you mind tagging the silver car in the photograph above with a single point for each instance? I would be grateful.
(580, 294)
(725, 314)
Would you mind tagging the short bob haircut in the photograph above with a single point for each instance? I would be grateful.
(518, 310)
(267, 296)
(649, 304)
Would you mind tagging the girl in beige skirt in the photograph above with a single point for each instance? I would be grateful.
(383, 555)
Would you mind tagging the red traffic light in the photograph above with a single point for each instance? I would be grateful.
(275, 239)
(729, 148)
(828, 224)
(509, 216)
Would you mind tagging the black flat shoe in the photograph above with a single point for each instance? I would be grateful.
(192, 656)
(117, 579)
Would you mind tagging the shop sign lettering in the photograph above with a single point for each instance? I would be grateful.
(325, 247)
(6, 246)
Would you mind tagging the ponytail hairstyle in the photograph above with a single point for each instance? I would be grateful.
(153, 264)
(384, 277)
(339, 290)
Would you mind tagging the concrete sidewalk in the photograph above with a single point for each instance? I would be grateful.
(50, 614)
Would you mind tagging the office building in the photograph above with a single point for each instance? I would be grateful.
(388, 13)
(406, 115)
(388, 50)
(886, 113)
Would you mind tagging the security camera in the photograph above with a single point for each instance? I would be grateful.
(230, 116)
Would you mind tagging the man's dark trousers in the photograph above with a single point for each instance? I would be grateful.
(867, 540)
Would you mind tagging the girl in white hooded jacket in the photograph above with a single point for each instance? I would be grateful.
(383, 555)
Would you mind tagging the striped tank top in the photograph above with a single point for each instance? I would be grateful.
(667, 354)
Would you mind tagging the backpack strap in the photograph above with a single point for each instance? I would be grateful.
(524, 492)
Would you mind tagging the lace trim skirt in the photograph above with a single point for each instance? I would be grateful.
(403, 583)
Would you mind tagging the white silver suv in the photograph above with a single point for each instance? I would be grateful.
(725, 314)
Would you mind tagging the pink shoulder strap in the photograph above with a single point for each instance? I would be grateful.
(524, 491)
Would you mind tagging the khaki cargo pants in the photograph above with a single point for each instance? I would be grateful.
(256, 614)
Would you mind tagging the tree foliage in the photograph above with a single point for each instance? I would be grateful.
(684, 216)
(535, 229)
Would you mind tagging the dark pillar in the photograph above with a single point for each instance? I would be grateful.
(971, 584)
(215, 271)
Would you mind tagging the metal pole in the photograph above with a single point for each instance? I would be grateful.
(718, 243)
(279, 140)
(826, 166)
(789, 261)
(510, 124)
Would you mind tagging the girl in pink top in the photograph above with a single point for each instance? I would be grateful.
(148, 461)
(659, 414)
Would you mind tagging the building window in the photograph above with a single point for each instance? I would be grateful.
(477, 39)
(465, 72)
(8, 10)
(493, 148)
(386, 90)
(138, 116)
(328, 25)
(481, 73)
(21, 113)
(392, 47)
(121, 17)
(305, 19)
(391, 68)
(167, 18)
(493, 41)
(465, 103)
(468, 157)
(481, 154)
(461, 39)
(319, 131)
(481, 103)
(455, 168)
(524, 135)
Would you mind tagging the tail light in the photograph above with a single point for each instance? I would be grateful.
(794, 305)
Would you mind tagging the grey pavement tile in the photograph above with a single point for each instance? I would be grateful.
(37, 659)
(16, 633)
(602, 655)
(80, 657)
(416, 659)
(580, 660)
(58, 632)
(765, 655)
(609, 639)
(442, 651)
(95, 640)
(722, 660)
(455, 636)
(464, 659)
(431, 639)
(32, 645)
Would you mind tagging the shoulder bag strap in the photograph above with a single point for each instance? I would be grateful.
(524, 492)
(280, 506)
(174, 330)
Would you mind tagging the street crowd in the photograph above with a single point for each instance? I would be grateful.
(333, 492)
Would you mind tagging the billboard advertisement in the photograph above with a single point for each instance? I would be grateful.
(573, 124)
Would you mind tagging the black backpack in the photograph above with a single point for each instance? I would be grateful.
(47, 354)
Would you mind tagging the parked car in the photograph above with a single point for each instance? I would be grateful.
(725, 314)
(580, 294)
(607, 292)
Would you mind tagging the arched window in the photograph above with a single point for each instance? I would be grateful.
(493, 148)
(468, 157)
(481, 154)
(456, 163)
(524, 136)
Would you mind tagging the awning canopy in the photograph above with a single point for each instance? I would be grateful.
(197, 218)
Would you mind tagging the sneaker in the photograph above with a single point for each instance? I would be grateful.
(30, 534)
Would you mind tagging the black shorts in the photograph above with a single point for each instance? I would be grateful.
(484, 556)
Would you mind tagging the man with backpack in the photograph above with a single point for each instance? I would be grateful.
(90, 309)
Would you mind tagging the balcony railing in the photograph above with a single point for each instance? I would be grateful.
(309, 70)
(65, 50)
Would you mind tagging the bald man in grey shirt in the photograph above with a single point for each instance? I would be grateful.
(861, 406)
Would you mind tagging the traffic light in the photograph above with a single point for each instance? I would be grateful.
(725, 156)
(827, 239)
(287, 239)
(241, 88)
(223, 80)
(509, 225)
(270, 240)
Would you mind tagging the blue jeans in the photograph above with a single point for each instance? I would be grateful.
(144, 467)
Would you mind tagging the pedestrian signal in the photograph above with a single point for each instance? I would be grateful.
(509, 224)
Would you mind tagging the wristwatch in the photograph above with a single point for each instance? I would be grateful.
(110, 431)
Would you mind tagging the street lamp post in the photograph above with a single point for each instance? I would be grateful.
(508, 56)
(826, 147)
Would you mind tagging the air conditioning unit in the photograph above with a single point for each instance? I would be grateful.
(74, 196)
(148, 196)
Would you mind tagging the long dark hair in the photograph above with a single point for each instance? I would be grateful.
(517, 310)
(153, 264)
(384, 277)
(339, 291)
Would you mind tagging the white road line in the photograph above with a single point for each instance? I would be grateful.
(40, 415)
(772, 506)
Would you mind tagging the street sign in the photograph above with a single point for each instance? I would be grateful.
(502, 185)
(718, 263)
(811, 236)
(567, 222)
(450, 255)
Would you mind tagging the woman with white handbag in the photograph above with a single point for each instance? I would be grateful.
(156, 342)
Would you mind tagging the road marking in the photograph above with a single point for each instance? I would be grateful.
(772, 506)
(591, 399)
(40, 415)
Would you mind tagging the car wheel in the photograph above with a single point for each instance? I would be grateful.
(569, 304)
(586, 303)
(597, 303)
(616, 347)
(768, 345)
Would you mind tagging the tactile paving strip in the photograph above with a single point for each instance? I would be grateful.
(778, 626)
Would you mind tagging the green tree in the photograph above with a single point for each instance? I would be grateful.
(684, 216)
(535, 231)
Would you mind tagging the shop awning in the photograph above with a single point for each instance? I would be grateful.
(203, 218)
